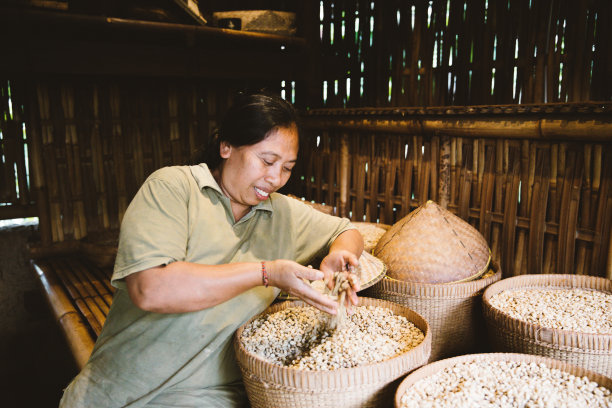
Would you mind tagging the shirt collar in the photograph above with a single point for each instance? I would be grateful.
(204, 178)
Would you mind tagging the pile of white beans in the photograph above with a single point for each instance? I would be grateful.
(580, 310)
(505, 384)
(298, 337)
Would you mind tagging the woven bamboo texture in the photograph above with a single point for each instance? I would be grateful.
(542, 200)
(371, 270)
(453, 52)
(507, 334)
(94, 141)
(432, 245)
(453, 310)
(433, 368)
(372, 385)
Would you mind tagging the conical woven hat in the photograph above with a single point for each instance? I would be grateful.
(432, 245)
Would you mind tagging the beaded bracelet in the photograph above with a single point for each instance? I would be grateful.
(264, 274)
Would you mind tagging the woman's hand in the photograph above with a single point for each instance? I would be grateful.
(341, 260)
(289, 276)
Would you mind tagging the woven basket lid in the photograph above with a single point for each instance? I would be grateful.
(370, 271)
(432, 245)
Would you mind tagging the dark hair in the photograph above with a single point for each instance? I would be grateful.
(247, 122)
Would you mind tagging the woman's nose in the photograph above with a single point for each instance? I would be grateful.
(274, 175)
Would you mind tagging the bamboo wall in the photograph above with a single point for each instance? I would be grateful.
(92, 142)
(536, 182)
(15, 197)
(459, 52)
(535, 179)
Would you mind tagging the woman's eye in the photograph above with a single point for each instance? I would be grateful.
(267, 163)
(288, 169)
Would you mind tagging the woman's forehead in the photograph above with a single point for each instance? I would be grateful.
(280, 141)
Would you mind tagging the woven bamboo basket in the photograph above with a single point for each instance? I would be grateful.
(453, 310)
(371, 232)
(433, 245)
(433, 368)
(508, 334)
(371, 385)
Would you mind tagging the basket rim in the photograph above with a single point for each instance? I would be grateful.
(435, 367)
(310, 380)
(455, 289)
(554, 336)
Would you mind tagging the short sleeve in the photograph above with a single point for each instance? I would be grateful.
(154, 230)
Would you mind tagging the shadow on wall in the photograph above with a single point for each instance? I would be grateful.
(35, 362)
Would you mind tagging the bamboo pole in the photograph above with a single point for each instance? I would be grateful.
(507, 127)
(609, 265)
(445, 172)
(344, 175)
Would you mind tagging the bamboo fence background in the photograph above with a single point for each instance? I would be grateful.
(75, 148)
(539, 190)
(460, 52)
(93, 142)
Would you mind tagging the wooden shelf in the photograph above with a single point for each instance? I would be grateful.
(58, 42)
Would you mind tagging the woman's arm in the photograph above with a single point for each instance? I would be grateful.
(185, 287)
(351, 241)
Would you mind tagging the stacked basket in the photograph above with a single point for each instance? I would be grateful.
(371, 385)
(509, 334)
(438, 265)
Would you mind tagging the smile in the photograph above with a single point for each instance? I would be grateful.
(262, 193)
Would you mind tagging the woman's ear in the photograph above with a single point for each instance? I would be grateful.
(224, 150)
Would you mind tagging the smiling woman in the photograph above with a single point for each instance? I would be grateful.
(202, 249)
(249, 174)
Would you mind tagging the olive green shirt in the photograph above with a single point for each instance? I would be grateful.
(186, 359)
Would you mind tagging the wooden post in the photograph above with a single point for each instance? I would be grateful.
(609, 265)
(444, 176)
(344, 175)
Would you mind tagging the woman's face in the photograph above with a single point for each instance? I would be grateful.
(250, 173)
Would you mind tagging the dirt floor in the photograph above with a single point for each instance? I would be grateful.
(35, 362)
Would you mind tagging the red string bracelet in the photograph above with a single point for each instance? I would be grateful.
(264, 274)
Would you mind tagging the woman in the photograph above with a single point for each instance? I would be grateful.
(202, 249)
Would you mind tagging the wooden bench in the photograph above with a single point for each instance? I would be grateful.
(79, 294)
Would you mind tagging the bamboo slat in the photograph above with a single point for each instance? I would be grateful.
(344, 177)
(465, 53)
(445, 172)
(80, 339)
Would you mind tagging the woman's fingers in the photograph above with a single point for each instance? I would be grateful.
(316, 299)
(309, 273)
(351, 259)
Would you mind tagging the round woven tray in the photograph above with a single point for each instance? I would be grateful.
(370, 271)
(453, 310)
(508, 334)
(371, 385)
(371, 232)
(433, 368)
(433, 245)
